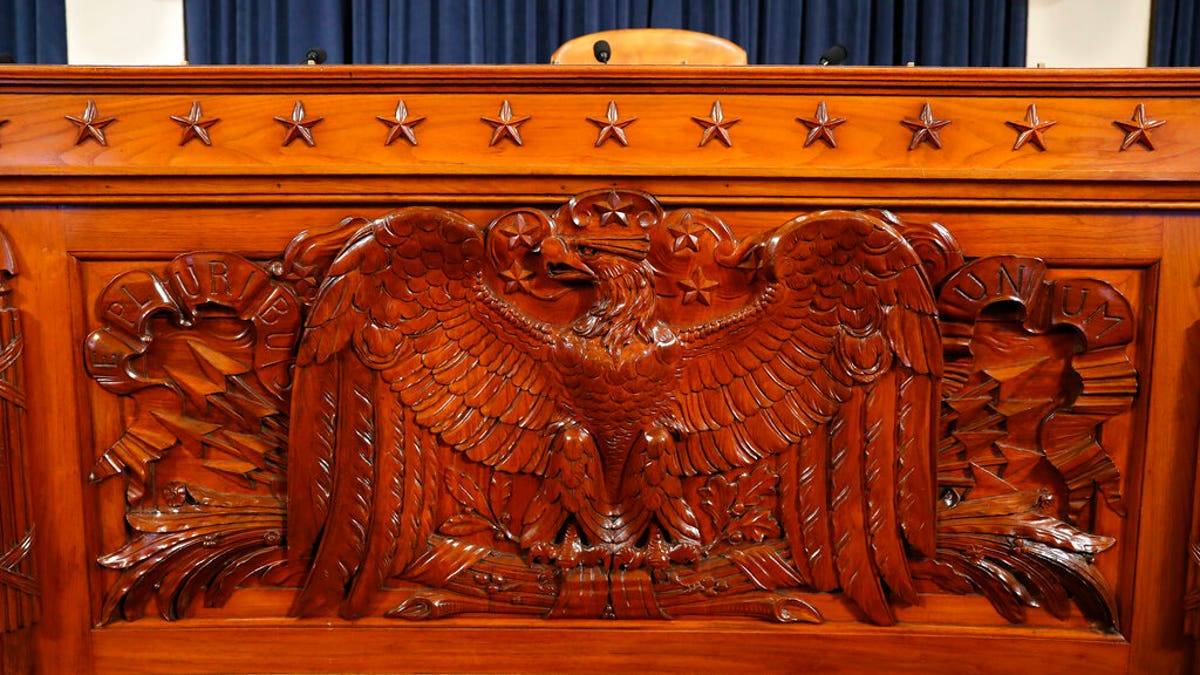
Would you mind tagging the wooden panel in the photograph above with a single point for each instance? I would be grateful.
(664, 139)
(482, 361)
(499, 648)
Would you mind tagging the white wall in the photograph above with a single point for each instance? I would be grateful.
(1062, 33)
(1088, 33)
(125, 32)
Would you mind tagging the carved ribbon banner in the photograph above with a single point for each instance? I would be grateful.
(204, 354)
(612, 411)
(1098, 379)
(1022, 406)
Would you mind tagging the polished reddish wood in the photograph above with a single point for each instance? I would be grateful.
(19, 588)
(646, 409)
(166, 292)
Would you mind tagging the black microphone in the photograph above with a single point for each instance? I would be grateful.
(314, 56)
(602, 51)
(833, 56)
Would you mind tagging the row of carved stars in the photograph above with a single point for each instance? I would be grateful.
(506, 125)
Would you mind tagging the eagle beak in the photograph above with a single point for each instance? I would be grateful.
(563, 263)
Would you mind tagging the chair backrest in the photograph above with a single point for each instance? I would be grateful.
(645, 46)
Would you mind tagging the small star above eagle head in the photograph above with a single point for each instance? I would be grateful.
(690, 256)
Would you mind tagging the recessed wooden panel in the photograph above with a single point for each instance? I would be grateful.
(755, 401)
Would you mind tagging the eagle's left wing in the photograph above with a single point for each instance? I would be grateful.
(406, 349)
(833, 369)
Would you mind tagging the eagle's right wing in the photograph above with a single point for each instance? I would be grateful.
(833, 369)
(405, 346)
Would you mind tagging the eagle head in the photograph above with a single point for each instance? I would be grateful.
(591, 257)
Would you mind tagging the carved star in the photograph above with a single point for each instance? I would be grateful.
(298, 126)
(194, 126)
(90, 126)
(697, 288)
(516, 277)
(612, 126)
(1032, 130)
(506, 125)
(925, 129)
(520, 231)
(687, 234)
(716, 126)
(401, 125)
(1137, 130)
(613, 209)
(821, 126)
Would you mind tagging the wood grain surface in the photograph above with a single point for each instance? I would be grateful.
(1062, 281)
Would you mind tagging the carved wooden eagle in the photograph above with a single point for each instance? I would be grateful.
(829, 369)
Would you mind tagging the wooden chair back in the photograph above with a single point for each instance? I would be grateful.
(652, 46)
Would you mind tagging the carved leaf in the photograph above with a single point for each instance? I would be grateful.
(756, 525)
(466, 492)
(175, 556)
(741, 509)
(499, 493)
(1006, 548)
(465, 524)
(716, 497)
(754, 520)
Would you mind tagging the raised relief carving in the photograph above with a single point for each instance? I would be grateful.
(194, 125)
(1022, 404)
(925, 129)
(820, 126)
(90, 124)
(204, 351)
(19, 605)
(1191, 601)
(716, 125)
(506, 125)
(1137, 129)
(612, 126)
(299, 126)
(1031, 130)
(614, 411)
(400, 125)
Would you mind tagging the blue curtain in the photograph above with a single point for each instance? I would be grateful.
(34, 31)
(1174, 27)
(875, 32)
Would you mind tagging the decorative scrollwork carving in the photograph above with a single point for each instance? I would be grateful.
(205, 352)
(617, 411)
(1018, 398)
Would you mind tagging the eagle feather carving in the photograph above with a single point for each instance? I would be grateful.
(817, 352)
